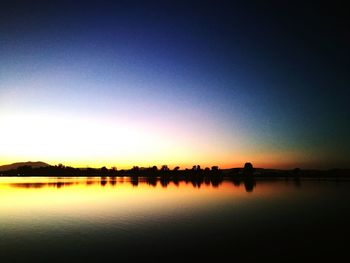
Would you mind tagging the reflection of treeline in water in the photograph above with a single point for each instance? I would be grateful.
(135, 181)
(42, 185)
(152, 181)
(196, 173)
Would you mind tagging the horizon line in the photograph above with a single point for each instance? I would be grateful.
(171, 167)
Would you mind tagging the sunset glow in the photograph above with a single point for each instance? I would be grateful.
(174, 131)
(82, 141)
(123, 88)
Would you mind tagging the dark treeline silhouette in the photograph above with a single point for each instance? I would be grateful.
(195, 175)
(67, 171)
(152, 175)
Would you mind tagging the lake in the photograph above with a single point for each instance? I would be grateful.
(95, 219)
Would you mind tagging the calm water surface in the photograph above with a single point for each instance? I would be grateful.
(93, 219)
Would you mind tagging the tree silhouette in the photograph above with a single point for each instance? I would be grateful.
(24, 168)
(164, 168)
(248, 169)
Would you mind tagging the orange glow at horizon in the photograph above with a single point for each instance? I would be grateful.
(91, 142)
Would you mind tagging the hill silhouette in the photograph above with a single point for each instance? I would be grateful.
(19, 164)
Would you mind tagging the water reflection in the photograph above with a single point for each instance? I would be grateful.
(41, 185)
(57, 182)
(103, 181)
(96, 218)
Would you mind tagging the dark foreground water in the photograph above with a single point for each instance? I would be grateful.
(94, 219)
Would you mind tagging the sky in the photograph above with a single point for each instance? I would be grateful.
(123, 83)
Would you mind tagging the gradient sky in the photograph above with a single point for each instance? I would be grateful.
(178, 83)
